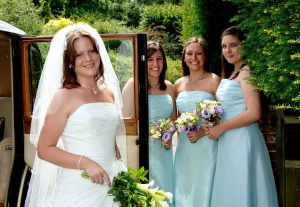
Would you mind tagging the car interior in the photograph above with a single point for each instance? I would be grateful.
(6, 117)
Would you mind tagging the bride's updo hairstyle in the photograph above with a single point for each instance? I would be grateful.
(69, 75)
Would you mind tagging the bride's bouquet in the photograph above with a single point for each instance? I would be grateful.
(188, 122)
(210, 111)
(162, 130)
(128, 190)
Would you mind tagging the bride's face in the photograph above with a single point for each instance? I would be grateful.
(87, 60)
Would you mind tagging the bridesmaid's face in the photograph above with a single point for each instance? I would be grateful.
(194, 56)
(155, 64)
(231, 47)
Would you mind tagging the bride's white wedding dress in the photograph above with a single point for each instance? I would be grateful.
(90, 131)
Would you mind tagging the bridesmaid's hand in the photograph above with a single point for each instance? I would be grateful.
(208, 124)
(214, 132)
(167, 144)
(96, 173)
(194, 136)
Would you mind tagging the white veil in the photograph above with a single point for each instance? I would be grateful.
(44, 174)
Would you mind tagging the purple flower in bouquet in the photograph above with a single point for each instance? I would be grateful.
(197, 114)
(219, 110)
(206, 113)
(184, 129)
(166, 136)
(196, 128)
(158, 124)
(172, 128)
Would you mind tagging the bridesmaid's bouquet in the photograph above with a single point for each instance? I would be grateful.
(163, 130)
(210, 111)
(188, 122)
(128, 190)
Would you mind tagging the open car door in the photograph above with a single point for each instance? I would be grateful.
(128, 56)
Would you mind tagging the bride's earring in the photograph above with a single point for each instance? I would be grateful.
(71, 67)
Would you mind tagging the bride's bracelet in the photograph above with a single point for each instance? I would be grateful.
(78, 162)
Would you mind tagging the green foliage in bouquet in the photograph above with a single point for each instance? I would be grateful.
(125, 190)
(128, 190)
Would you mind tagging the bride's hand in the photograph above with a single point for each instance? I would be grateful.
(96, 173)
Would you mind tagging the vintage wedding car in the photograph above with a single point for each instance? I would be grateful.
(21, 60)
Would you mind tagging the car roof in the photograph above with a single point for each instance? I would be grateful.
(4, 26)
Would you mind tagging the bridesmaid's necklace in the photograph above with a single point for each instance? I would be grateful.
(196, 80)
(236, 72)
(94, 88)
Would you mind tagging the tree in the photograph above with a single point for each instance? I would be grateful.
(207, 19)
(22, 14)
(272, 47)
(164, 23)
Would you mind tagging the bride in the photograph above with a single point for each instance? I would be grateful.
(75, 122)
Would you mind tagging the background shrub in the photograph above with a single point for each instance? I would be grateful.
(163, 23)
(207, 19)
(272, 47)
(174, 70)
(22, 14)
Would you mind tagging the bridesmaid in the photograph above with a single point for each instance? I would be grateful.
(161, 105)
(194, 162)
(244, 176)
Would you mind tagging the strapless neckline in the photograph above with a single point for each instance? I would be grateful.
(90, 104)
(159, 95)
(195, 92)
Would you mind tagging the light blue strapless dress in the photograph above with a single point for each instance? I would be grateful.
(194, 162)
(244, 176)
(160, 160)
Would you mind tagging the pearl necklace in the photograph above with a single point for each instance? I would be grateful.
(94, 89)
(198, 79)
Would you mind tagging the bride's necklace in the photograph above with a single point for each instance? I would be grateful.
(198, 79)
(94, 89)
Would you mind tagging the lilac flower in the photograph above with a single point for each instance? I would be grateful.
(172, 129)
(158, 125)
(219, 110)
(196, 128)
(186, 129)
(166, 136)
(206, 114)
(197, 114)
